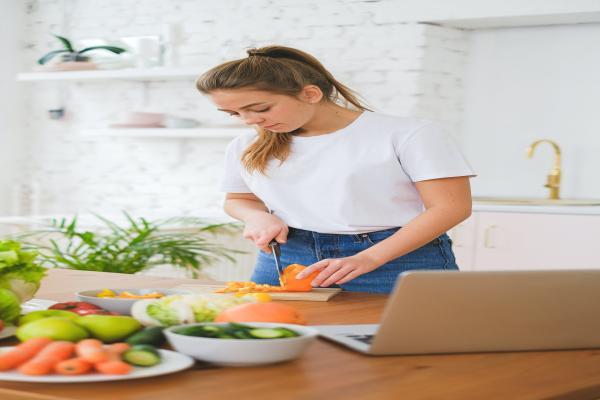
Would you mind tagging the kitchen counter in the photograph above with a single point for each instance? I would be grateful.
(330, 371)
(537, 209)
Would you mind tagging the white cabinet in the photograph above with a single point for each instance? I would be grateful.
(504, 240)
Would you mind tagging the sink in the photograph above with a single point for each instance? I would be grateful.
(509, 201)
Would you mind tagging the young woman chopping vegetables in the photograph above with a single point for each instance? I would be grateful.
(354, 194)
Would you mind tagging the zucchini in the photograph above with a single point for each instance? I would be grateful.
(142, 355)
(153, 336)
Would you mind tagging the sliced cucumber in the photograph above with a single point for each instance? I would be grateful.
(267, 333)
(142, 355)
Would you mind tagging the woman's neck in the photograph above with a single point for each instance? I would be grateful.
(327, 119)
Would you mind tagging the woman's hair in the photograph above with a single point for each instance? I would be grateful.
(276, 69)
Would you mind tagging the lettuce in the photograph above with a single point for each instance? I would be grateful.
(10, 306)
(19, 273)
(185, 309)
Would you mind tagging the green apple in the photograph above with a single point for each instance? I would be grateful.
(109, 328)
(55, 328)
(35, 315)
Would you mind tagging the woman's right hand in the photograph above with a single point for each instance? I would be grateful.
(261, 228)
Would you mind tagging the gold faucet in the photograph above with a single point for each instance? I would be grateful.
(553, 182)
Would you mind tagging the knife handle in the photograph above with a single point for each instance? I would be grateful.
(274, 245)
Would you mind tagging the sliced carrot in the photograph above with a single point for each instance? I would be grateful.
(73, 366)
(118, 348)
(113, 367)
(22, 353)
(92, 350)
(43, 363)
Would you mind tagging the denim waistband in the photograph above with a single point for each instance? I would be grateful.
(303, 234)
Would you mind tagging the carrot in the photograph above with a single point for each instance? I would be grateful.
(73, 366)
(22, 353)
(113, 367)
(92, 350)
(47, 358)
(118, 348)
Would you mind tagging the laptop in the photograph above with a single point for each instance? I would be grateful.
(433, 312)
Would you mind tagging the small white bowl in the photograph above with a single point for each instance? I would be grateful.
(243, 352)
(121, 305)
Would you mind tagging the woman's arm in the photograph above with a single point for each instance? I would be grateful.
(260, 226)
(447, 202)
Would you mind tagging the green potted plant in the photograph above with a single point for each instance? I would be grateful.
(72, 55)
(183, 242)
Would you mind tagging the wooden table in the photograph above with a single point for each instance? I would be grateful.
(328, 371)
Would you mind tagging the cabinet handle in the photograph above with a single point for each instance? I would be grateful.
(487, 237)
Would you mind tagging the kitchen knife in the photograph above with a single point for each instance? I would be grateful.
(276, 251)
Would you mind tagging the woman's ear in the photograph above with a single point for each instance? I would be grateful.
(311, 94)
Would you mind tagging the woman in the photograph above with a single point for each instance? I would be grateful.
(356, 195)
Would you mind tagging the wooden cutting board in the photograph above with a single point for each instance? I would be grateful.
(317, 294)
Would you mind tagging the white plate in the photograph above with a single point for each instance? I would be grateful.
(36, 304)
(8, 331)
(171, 362)
(27, 307)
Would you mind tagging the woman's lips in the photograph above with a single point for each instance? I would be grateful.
(270, 126)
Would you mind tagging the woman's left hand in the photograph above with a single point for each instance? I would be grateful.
(339, 270)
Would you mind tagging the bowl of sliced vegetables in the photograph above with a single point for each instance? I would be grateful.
(121, 300)
(239, 345)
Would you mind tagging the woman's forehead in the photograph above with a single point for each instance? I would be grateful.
(239, 98)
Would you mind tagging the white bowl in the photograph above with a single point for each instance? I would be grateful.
(243, 352)
(121, 305)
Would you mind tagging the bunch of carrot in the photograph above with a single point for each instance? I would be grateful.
(42, 356)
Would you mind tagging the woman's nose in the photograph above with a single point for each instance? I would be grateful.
(251, 119)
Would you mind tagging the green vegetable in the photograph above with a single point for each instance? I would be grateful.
(10, 306)
(162, 313)
(19, 273)
(185, 309)
(153, 335)
(235, 331)
(142, 355)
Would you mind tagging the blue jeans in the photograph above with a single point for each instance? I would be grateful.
(307, 247)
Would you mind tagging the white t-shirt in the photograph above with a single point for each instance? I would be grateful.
(355, 180)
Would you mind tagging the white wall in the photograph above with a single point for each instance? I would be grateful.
(12, 140)
(524, 84)
(395, 66)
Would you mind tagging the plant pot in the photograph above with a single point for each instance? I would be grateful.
(74, 57)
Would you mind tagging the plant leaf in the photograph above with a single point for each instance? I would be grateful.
(66, 42)
(116, 50)
(43, 60)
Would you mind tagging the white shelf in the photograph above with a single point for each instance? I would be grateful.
(138, 74)
(195, 133)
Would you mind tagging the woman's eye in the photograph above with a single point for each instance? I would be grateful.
(263, 110)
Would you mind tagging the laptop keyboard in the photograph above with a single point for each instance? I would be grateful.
(362, 338)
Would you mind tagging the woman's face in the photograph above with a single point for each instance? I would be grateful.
(272, 111)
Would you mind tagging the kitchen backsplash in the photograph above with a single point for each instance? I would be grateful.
(399, 68)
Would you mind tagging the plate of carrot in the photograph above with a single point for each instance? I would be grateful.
(47, 361)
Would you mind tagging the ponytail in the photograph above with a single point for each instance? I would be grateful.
(276, 69)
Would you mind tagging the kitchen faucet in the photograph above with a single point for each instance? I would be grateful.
(553, 182)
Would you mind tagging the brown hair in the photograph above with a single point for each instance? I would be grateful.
(276, 69)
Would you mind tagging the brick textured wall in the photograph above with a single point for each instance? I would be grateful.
(399, 67)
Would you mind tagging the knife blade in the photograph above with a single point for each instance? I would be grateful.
(276, 251)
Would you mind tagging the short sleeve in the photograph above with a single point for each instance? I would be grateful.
(232, 180)
(431, 153)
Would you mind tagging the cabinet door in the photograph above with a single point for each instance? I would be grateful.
(464, 241)
(536, 241)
